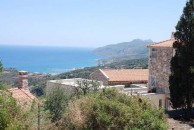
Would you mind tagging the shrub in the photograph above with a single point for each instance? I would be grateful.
(11, 116)
(110, 110)
(56, 102)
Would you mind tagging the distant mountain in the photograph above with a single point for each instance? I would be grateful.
(136, 48)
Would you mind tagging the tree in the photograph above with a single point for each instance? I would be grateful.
(37, 90)
(85, 86)
(181, 79)
(56, 102)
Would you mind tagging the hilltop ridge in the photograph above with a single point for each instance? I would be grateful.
(136, 48)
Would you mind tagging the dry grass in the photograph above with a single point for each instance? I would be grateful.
(77, 114)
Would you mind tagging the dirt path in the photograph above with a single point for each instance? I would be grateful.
(178, 125)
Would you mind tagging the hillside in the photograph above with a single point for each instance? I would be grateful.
(123, 64)
(136, 48)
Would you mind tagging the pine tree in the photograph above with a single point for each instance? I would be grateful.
(182, 64)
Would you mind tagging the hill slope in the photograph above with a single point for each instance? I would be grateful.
(135, 48)
(85, 72)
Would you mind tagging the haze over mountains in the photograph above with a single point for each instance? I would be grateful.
(136, 48)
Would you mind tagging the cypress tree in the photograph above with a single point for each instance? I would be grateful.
(182, 64)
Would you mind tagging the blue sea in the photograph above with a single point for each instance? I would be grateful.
(46, 59)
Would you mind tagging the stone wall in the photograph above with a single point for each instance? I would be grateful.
(159, 67)
(68, 90)
(155, 99)
(99, 76)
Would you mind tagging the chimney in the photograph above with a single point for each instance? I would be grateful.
(172, 35)
(23, 80)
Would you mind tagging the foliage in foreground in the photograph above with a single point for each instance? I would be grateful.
(12, 117)
(56, 102)
(182, 64)
(110, 110)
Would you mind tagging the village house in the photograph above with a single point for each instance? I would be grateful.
(160, 55)
(121, 76)
(22, 94)
(69, 86)
(157, 75)
(152, 83)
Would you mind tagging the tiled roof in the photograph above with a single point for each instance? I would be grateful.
(126, 75)
(22, 96)
(167, 43)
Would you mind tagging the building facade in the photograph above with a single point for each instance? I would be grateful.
(160, 55)
(121, 76)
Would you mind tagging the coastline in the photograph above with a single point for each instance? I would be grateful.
(47, 60)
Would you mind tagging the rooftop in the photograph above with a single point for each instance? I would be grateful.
(126, 75)
(167, 43)
(70, 82)
(22, 96)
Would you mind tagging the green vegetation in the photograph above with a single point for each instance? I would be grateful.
(9, 77)
(79, 73)
(129, 64)
(12, 117)
(117, 64)
(110, 110)
(182, 64)
(37, 82)
(134, 49)
(85, 86)
(86, 108)
(37, 85)
(1, 66)
(56, 102)
(91, 108)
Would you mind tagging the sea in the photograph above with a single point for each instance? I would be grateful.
(50, 60)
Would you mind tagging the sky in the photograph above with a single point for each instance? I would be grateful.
(86, 23)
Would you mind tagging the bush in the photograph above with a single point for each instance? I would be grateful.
(110, 110)
(56, 102)
(38, 91)
(11, 116)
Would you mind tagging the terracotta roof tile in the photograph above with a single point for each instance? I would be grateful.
(22, 96)
(127, 75)
(167, 43)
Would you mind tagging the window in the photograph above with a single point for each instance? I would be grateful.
(167, 104)
(153, 81)
(160, 102)
(154, 54)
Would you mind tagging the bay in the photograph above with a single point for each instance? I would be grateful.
(46, 59)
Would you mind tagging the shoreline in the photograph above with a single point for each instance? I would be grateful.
(7, 70)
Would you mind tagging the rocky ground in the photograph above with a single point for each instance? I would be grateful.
(179, 125)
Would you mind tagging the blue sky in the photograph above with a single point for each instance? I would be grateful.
(86, 23)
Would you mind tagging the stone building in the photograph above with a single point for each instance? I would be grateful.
(160, 55)
(121, 76)
(69, 86)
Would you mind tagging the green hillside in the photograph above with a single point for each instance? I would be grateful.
(135, 48)
(123, 64)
